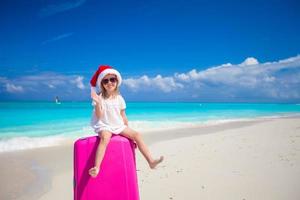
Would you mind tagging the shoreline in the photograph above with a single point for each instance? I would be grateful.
(48, 171)
(31, 143)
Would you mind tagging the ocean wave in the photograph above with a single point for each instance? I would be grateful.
(32, 140)
(14, 143)
(22, 143)
(149, 126)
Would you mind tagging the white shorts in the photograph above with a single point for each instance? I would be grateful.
(110, 129)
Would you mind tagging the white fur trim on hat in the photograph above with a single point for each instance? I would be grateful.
(109, 71)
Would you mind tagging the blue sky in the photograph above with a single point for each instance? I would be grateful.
(215, 51)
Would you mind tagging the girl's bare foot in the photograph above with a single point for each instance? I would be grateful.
(94, 172)
(156, 162)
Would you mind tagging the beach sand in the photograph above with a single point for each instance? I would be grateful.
(257, 159)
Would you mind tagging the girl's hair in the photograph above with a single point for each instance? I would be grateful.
(104, 92)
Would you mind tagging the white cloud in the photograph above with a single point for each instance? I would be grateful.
(11, 88)
(182, 77)
(57, 8)
(59, 37)
(51, 86)
(250, 61)
(249, 73)
(165, 84)
(249, 80)
(226, 65)
(277, 80)
(79, 82)
(42, 82)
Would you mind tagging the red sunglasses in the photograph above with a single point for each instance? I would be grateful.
(112, 80)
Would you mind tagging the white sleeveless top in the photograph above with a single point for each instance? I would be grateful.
(111, 119)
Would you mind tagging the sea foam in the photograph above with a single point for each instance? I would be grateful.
(15, 143)
(21, 143)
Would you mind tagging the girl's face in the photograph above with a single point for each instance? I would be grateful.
(110, 82)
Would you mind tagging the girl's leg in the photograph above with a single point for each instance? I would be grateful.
(104, 140)
(132, 134)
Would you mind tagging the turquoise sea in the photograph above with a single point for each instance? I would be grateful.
(26, 125)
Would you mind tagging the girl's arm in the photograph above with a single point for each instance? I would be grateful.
(98, 110)
(123, 114)
(98, 107)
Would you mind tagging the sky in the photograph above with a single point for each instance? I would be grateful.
(191, 51)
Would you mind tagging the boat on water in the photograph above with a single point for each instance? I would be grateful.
(57, 101)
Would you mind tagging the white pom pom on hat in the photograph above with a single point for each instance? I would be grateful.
(102, 71)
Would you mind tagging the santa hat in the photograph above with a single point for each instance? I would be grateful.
(102, 71)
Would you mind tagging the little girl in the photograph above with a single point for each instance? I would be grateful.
(109, 116)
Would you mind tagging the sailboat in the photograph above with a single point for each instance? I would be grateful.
(57, 100)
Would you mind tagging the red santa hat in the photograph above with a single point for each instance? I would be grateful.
(102, 71)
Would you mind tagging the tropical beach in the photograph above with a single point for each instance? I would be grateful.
(255, 159)
(211, 88)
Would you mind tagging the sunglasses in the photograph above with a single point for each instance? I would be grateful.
(112, 80)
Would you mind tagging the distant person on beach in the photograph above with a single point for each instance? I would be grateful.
(109, 116)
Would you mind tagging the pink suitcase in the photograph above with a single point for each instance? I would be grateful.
(117, 179)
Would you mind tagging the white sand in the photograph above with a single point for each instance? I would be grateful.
(261, 161)
(240, 160)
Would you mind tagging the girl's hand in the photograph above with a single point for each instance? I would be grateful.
(95, 96)
(97, 102)
(94, 172)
